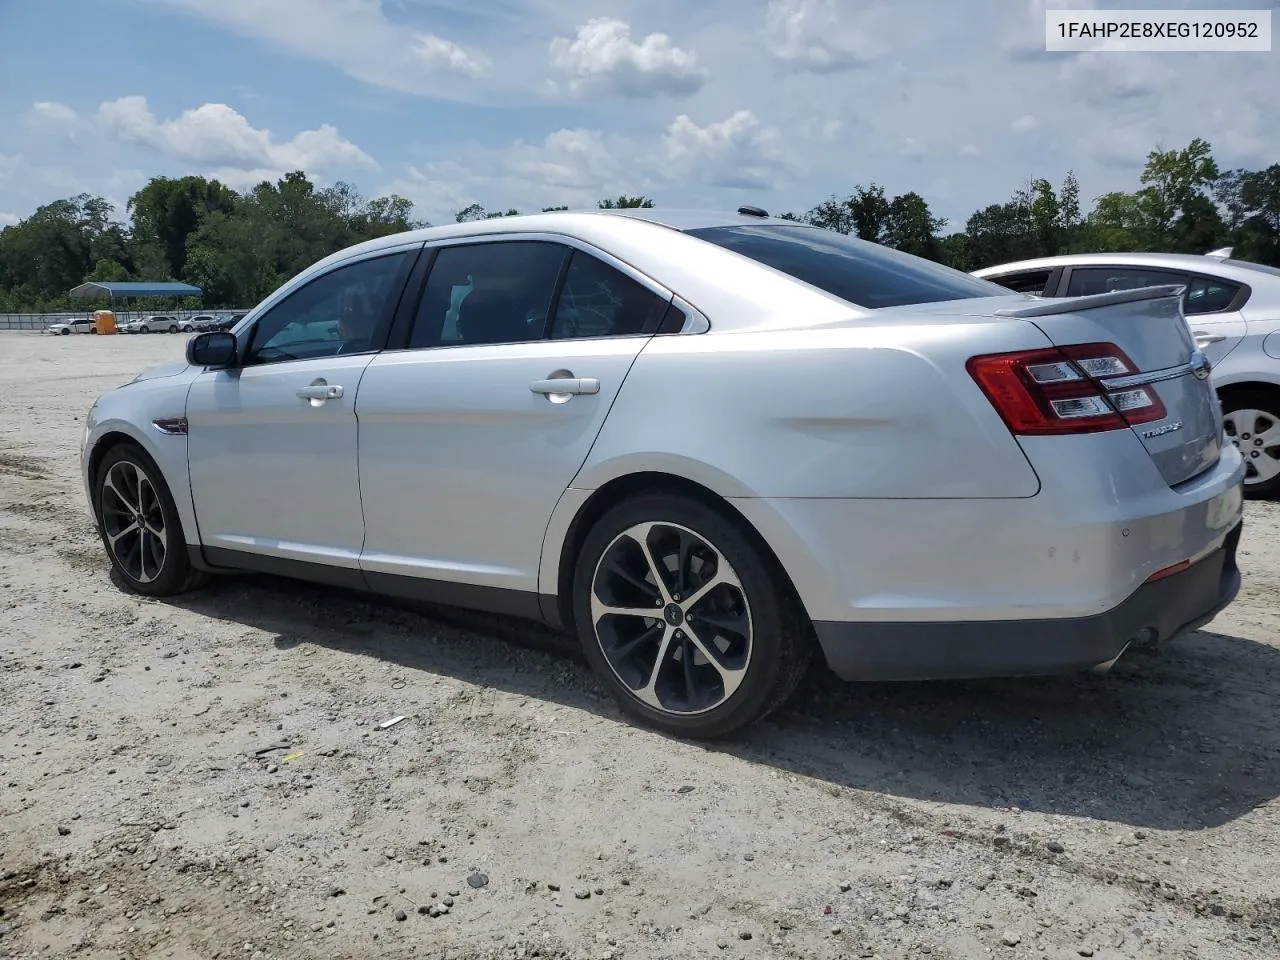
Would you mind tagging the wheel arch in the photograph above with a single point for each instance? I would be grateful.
(1245, 385)
(621, 488)
(171, 464)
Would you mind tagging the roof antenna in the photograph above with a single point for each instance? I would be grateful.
(1222, 253)
(753, 212)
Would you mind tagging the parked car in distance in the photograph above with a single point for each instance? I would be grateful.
(76, 325)
(129, 326)
(1233, 308)
(712, 446)
(159, 323)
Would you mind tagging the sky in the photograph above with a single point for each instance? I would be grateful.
(534, 103)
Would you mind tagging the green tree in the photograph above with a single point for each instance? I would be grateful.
(625, 202)
(166, 212)
(911, 227)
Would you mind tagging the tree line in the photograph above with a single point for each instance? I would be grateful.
(239, 246)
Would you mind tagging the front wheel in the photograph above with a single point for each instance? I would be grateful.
(139, 524)
(144, 329)
(173, 328)
(684, 618)
(1251, 419)
(65, 331)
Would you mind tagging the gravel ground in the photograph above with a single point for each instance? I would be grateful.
(207, 777)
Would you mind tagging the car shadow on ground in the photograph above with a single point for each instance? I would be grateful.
(1185, 737)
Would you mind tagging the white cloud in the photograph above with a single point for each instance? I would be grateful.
(441, 54)
(737, 152)
(911, 148)
(49, 113)
(572, 168)
(8, 219)
(214, 135)
(603, 58)
(970, 150)
(1025, 123)
(809, 35)
(355, 36)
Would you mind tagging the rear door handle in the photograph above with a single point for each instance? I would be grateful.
(563, 385)
(1204, 339)
(320, 391)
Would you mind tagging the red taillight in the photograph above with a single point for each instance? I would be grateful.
(1058, 390)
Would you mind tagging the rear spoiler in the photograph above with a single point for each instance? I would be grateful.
(1053, 306)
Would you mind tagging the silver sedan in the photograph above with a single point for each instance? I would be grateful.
(715, 447)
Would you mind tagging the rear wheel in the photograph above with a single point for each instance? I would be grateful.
(173, 328)
(685, 619)
(139, 524)
(1251, 419)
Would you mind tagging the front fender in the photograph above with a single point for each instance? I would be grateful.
(128, 413)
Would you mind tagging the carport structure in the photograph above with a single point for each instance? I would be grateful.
(133, 290)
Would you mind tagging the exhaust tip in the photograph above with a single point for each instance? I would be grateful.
(1106, 666)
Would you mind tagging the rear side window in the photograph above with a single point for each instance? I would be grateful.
(487, 293)
(1087, 281)
(599, 301)
(1208, 295)
(858, 271)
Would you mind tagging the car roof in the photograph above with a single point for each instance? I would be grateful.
(738, 291)
(1241, 270)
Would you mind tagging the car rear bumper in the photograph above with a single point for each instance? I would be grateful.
(1156, 611)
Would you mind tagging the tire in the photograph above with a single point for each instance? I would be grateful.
(173, 328)
(144, 329)
(762, 638)
(1252, 421)
(65, 331)
(139, 567)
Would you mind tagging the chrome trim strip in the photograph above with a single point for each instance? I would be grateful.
(1142, 379)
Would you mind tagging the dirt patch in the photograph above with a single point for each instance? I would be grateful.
(207, 778)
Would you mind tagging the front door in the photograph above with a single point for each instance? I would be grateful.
(470, 436)
(272, 442)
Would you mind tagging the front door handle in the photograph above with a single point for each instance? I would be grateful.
(1204, 339)
(566, 385)
(320, 391)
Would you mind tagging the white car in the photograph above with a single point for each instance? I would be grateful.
(78, 325)
(1233, 307)
(712, 446)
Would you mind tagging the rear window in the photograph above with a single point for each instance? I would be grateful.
(861, 272)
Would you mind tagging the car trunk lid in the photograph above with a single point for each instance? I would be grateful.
(1148, 326)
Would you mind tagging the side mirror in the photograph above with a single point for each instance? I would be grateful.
(216, 348)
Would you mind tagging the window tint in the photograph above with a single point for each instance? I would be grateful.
(1032, 282)
(496, 292)
(1086, 281)
(858, 271)
(1208, 295)
(339, 312)
(599, 301)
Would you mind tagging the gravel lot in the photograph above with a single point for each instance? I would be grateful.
(206, 778)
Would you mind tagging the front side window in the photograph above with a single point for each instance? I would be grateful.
(600, 301)
(343, 311)
(485, 293)
(860, 272)
(1032, 282)
(1087, 281)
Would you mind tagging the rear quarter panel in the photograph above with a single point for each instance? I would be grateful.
(866, 409)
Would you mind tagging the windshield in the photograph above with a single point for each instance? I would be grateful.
(863, 273)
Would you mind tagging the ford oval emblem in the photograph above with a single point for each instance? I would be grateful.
(1200, 365)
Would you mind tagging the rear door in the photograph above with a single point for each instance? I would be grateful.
(1158, 370)
(471, 432)
(1210, 304)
